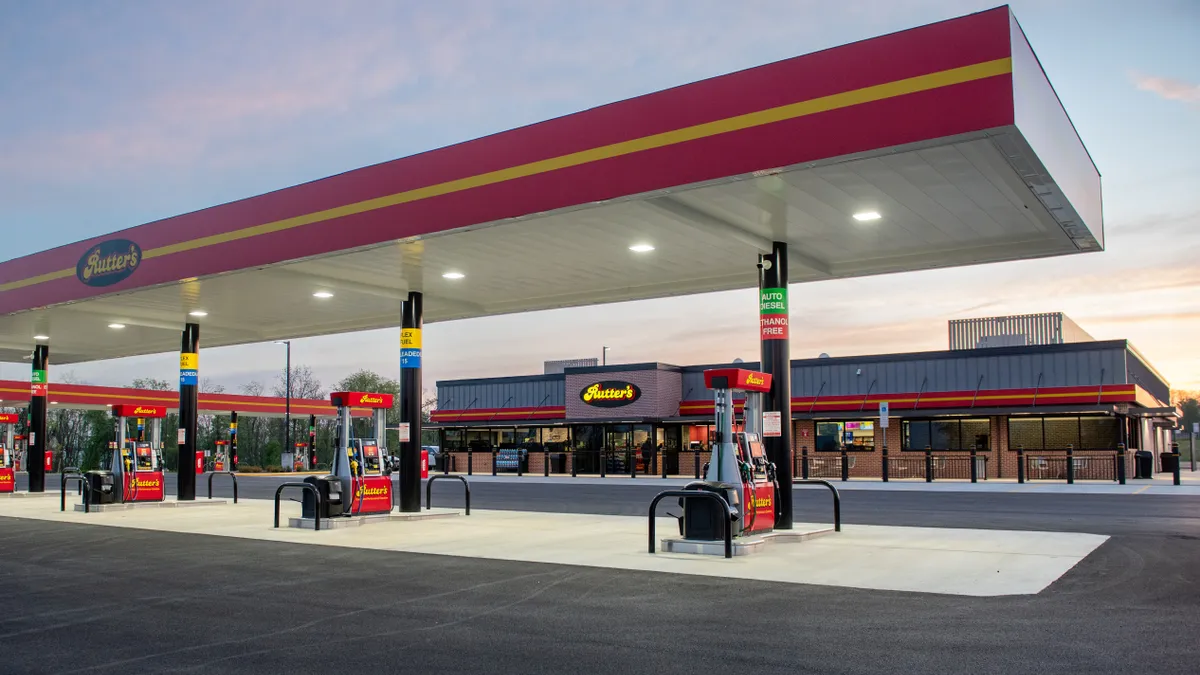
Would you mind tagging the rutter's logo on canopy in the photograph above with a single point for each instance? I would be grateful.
(610, 394)
(141, 410)
(367, 398)
(753, 378)
(109, 262)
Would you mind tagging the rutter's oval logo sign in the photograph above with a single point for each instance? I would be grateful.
(109, 262)
(610, 394)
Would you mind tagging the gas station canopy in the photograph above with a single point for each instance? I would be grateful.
(940, 146)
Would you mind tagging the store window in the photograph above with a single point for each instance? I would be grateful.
(455, 440)
(945, 434)
(1057, 433)
(556, 439)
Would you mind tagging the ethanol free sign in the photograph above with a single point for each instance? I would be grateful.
(773, 313)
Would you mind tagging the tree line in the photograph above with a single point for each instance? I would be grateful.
(81, 437)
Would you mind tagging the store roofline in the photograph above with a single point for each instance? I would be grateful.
(832, 360)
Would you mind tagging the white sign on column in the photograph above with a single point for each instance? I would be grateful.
(772, 424)
(883, 414)
(405, 435)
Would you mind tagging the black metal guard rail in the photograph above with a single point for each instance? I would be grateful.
(727, 520)
(837, 498)
(429, 491)
(62, 471)
(84, 488)
(223, 473)
(316, 497)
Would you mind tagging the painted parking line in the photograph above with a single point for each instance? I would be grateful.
(1142, 489)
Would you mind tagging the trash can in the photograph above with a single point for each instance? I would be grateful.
(1169, 462)
(330, 489)
(1143, 462)
(558, 462)
(100, 487)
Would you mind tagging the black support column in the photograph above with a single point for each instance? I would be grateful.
(233, 456)
(312, 442)
(189, 377)
(410, 404)
(35, 454)
(777, 361)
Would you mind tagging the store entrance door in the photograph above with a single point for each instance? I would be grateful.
(671, 439)
(619, 448)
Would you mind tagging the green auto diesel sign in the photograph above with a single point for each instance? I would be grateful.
(773, 313)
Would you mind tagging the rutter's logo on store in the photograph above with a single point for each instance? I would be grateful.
(610, 394)
(109, 262)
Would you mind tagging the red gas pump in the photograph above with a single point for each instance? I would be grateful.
(739, 471)
(361, 463)
(8, 477)
(8, 453)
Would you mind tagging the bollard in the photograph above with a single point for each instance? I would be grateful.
(1175, 473)
(974, 470)
(885, 463)
(696, 461)
(546, 462)
(845, 467)
(1070, 464)
(470, 462)
(574, 462)
(1021, 464)
(631, 458)
(520, 464)
(662, 462)
(928, 464)
(604, 463)
(493, 460)
(804, 462)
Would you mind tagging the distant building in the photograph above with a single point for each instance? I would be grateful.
(559, 367)
(1021, 330)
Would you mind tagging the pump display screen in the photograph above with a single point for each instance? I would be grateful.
(145, 458)
(370, 455)
(756, 450)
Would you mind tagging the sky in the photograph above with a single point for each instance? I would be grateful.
(113, 114)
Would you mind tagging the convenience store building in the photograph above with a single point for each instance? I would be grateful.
(656, 418)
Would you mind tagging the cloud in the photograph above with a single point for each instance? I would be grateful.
(1167, 87)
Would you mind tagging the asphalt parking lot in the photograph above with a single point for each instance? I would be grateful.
(100, 599)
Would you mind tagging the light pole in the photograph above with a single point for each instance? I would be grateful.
(604, 356)
(287, 405)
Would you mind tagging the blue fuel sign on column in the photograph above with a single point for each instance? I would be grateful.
(189, 368)
(410, 348)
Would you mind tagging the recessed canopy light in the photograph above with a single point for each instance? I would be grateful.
(116, 326)
(323, 295)
(453, 275)
(864, 216)
(53, 402)
(641, 248)
(198, 312)
(41, 337)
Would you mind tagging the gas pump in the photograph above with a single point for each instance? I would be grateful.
(739, 470)
(362, 464)
(8, 454)
(221, 456)
(135, 471)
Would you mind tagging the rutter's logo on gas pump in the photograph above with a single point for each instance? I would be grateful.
(753, 378)
(109, 262)
(610, 394)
